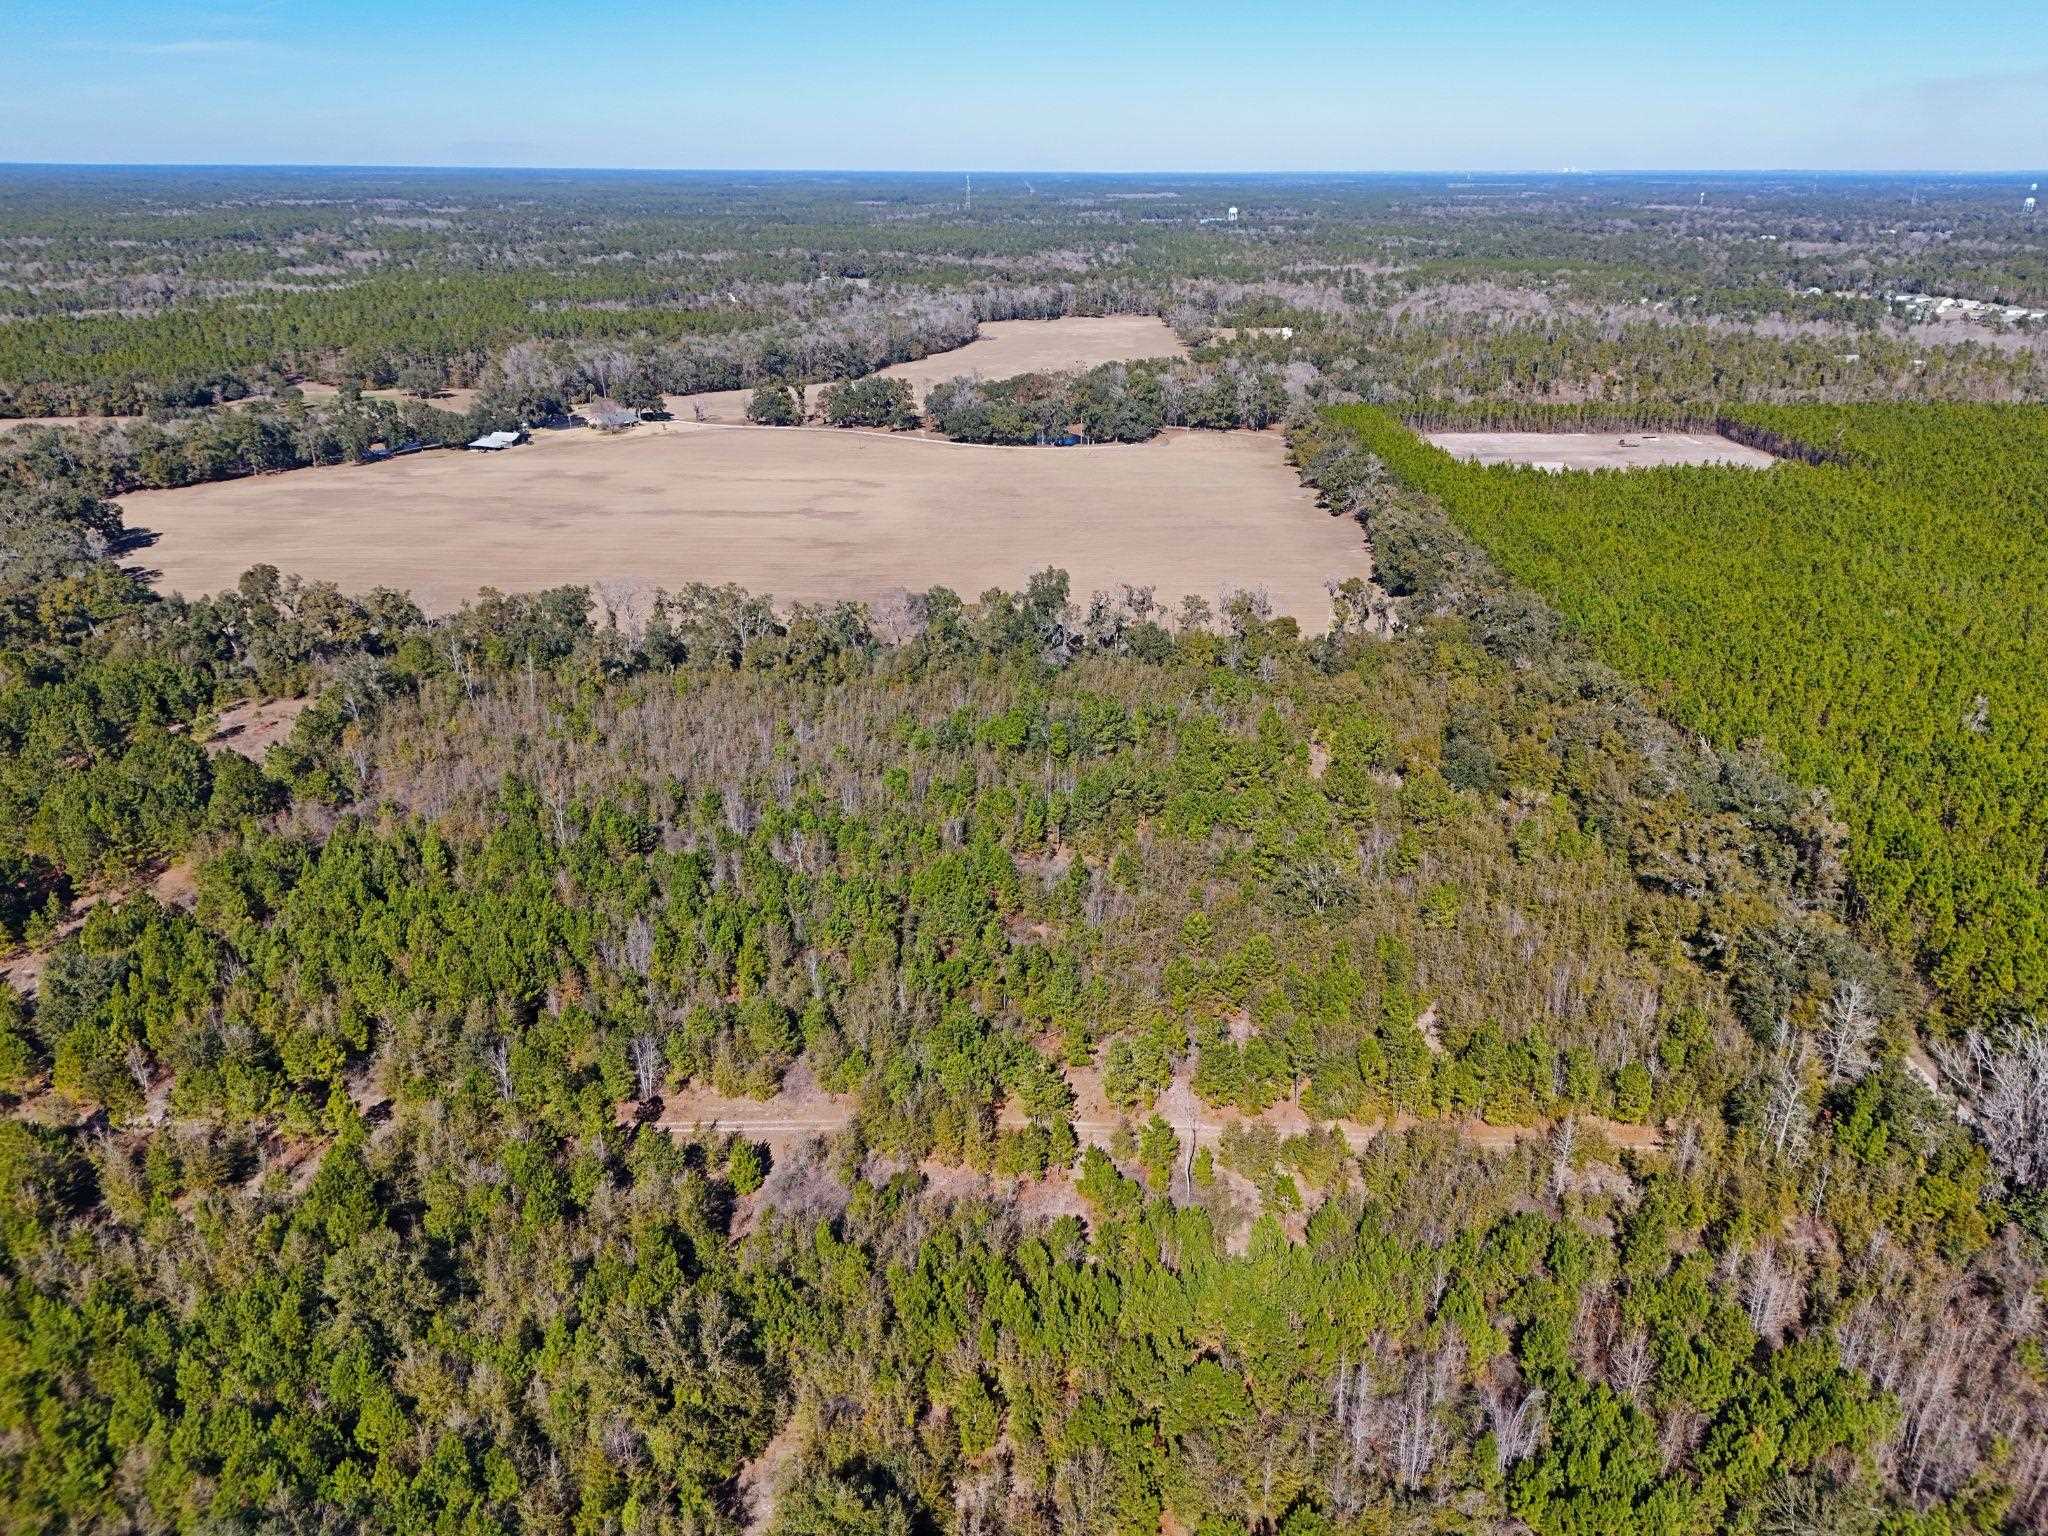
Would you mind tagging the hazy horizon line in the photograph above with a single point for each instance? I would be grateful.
(1023, 171)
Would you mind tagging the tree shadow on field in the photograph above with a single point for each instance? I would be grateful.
(131, 540)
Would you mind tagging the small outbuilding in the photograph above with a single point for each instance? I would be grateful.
(493, 442)
(607, 416)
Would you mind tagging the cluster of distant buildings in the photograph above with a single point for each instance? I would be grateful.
(1937, 306)
(601, 414)
(1941, 307)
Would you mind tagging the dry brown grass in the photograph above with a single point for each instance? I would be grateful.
(254, 726)
(805, 514)
(1598, 450)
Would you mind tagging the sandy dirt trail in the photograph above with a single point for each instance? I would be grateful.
(789, 1119)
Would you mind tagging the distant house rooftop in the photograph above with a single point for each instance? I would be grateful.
(608, 416)
(491, 442)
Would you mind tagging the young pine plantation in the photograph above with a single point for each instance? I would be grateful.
(1872, 618)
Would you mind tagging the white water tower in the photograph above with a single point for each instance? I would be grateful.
(1232, 216)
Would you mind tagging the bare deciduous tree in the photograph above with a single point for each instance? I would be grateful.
(636, 949)
(1846, 1027)
(627, 605)
(499, 1059)
(458, 658)
(1516, 1425)
(1628, 1365)
(137, 1062)
(1354, 1409)
(1564, 1138)
(1081, 1486)
(1418, 1429)
(739, 816)
(646, 1053)
(2004, 1085)
(1767, 1292)
(1787, 1115)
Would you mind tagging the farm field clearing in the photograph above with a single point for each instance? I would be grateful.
(802, 515)
(1598, 450)
(1004, 349)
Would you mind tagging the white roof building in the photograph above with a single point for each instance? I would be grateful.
(491, 442)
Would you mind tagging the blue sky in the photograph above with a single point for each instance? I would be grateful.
(1042, 85)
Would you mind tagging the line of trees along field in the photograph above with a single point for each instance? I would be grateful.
(323, 1201)
(1114, 403)
(263, 438)
(1875, 622)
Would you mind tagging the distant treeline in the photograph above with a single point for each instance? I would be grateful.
(390, 329)
(1476, 346)
(550, 338)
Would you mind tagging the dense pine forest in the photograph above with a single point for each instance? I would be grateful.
(1557, 1052)
(1872, 619)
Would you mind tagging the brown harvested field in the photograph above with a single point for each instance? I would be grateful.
(1598, 450)
(800, 513)
(1004, 349)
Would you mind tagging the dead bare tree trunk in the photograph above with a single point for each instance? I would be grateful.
(646, 1054)
(1846, 1028)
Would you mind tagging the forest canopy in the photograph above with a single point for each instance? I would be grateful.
(1873, 620)
(1551, 1054)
